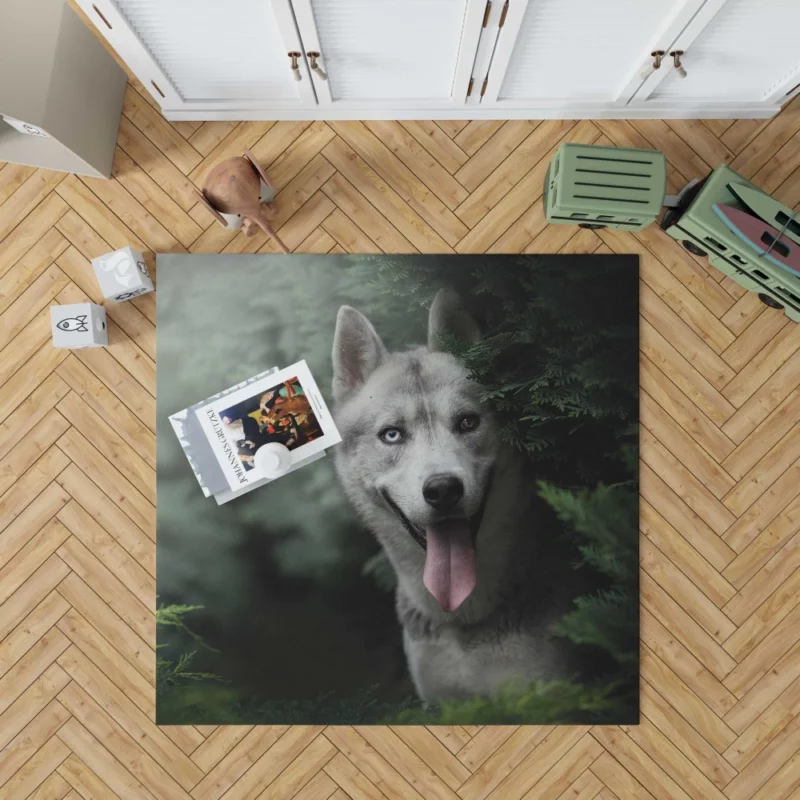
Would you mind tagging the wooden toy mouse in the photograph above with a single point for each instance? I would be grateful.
(238, 193)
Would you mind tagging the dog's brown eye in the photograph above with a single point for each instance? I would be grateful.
(468, 423)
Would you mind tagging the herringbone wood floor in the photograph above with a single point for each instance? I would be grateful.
(720, 467)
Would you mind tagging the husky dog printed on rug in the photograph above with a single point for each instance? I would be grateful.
(424, 465)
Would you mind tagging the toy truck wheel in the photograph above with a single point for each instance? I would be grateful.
(592, 226)
(693, 248)
(769, 301)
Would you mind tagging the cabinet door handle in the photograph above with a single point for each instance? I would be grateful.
(312, 57)
(295, 66)
(658, 57)
(676, 58)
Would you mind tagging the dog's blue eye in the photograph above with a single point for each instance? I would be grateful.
(468, 423)
(391, 435)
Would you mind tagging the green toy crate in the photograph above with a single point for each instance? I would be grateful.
(695, 224)
(605, 187)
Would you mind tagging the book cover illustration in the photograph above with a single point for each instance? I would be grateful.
(284, 407)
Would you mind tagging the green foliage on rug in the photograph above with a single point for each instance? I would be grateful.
(549, 363)
(186, 697)
(177, 673)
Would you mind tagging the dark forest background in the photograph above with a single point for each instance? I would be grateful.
(278, 607)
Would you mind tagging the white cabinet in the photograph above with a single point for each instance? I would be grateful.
(390, 53)
(567, 52)
(208, 55)
(735, 51)
(338, 59)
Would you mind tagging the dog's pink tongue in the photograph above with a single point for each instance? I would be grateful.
(450, 563)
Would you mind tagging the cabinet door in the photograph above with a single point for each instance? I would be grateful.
(737, 51)
(391, 53)
(561, 53)
(208, 54)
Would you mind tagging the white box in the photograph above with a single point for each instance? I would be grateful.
(122, 275)
(78, 325)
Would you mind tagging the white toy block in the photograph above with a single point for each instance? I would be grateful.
(122, 274)
(79, 325)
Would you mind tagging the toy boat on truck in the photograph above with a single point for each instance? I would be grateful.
(763, 238)
(770, 210)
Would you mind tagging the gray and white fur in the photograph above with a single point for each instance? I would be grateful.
(498, 635)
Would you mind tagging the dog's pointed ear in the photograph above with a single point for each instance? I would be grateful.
(357, 352)
(449, 318)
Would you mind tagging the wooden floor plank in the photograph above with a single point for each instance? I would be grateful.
(30, 630)
(31, 483)
(680, 553)
(91, 716)
(694, 674)
(20, 677)
(515, 200)
(38, 768)
(31, 593)
(17, 281)
(112, 627)
(109, 587)
(437, 143)
(669, 359)
(686, 484)
(160, 132)
(772, 613)
(158, 203)
(30, 230)
(12, 176)
(664, 680)
(130, 718)
(686, 414)
(675, 583)
(19, 568)
(691, 634)
(423, 222)
(153, 161)
(684, 447)
(297, 774)
(493, 152)
(639, 764)
(259, 758)
(105, 475)
(26, 198)
(398, 752)
(103, 776)
(689, 757)
(498, 183)
(426, 168)
(768, 689)
(300, 151)
(780, 568)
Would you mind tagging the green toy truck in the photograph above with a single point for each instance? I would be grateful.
(611, 187)
(701, 231)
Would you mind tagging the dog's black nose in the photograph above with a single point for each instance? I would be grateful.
(442, 491)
